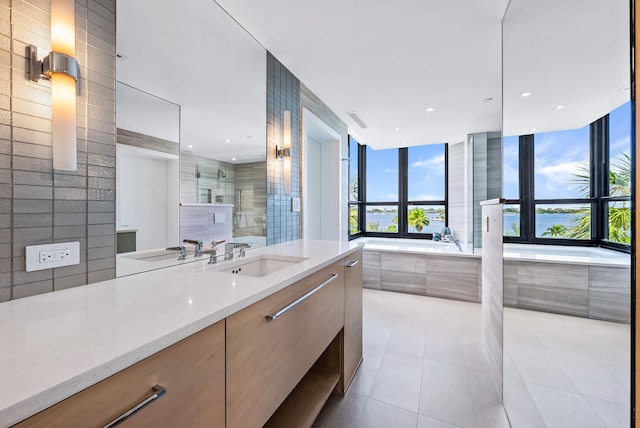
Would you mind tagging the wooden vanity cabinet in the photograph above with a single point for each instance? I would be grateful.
(192, 371)
(267, 358)
(352, 316)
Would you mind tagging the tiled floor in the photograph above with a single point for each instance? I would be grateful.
(424, 367)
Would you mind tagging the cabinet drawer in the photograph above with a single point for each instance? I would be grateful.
(192, 371)
(267, 358)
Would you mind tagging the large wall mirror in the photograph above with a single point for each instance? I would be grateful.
(567, 133)
(191, 119)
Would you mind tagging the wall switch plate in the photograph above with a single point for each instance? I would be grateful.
(295, 204)
(47, 256)
(219, 218)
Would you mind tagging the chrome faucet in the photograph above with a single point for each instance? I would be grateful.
(183, 251)
(230, 246)
(213, 251)
(196, 243)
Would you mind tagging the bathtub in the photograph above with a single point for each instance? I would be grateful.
(565, 254)
(412, 245)
(423, 267)
(578, 281)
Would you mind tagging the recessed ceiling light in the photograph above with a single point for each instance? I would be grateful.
(397, 129)
(430, 109)
(227, 140)
(233, 159)
(403, 144)
(561, 106)
(526, 94)
(533, 129)
(190, 146)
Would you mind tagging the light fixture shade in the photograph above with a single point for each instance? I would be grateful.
(63, 121)
(63, 87)
(286, 142)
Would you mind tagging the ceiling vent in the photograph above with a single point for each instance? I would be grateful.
(353, 115)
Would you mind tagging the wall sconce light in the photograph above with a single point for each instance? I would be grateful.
(62, 69)
(283, 152)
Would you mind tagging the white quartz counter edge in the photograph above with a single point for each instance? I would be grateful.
(57, 344)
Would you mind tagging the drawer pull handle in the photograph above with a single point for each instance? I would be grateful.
(158, 391)
(351, 263)
(291, 305)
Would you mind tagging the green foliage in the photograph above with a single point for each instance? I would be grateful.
(353, 220)
(556, 231)
(393, 227)
(514, 230)
(418, 219)
(373, 226)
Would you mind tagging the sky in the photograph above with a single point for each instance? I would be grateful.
(560, 155)
(426, 174)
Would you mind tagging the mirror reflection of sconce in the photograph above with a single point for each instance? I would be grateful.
(61, 68)
(283, 152)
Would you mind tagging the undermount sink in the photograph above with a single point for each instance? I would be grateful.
(263, 265)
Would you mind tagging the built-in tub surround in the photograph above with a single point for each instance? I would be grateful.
(427, 268)
(80, 336)
(578, 281)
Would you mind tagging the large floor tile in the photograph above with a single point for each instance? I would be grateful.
(536, 365)
(426, 422)
(560, 409)
(591, 378)
(408, 338)
(381, 415)
(341, 412)
(487, 402)
(368, 370)
(445, 346)
(613, 415)
(446, 395)
(398, 381)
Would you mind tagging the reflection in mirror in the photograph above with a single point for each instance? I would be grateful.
(566, 147)
(201, 60)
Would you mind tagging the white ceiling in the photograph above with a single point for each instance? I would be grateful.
(387, 61)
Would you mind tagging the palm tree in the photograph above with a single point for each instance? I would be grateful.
(556, 231)
(619, 213)
(353, 220)
(418, 219)
(373, 226)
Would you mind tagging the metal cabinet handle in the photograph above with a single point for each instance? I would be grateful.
(158, 391)
(291, 305)
(351, 263)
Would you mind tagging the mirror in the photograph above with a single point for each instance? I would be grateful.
(191, 97)
(566, 316)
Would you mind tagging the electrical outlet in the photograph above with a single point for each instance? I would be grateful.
(38, 257)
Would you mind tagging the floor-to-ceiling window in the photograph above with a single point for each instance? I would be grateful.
(397, 192)
(570, 186)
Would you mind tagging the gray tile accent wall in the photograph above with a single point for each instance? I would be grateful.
(39, 205)
(492, 290)
(283, 93)
(460, 214)
(487, 175)
(210, 184)
(286, 92)
(250, 200)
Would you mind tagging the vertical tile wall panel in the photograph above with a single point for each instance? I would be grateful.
(37, 204)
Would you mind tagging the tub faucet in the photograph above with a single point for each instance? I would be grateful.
(230, 246)
(183, 251)
(196, 243)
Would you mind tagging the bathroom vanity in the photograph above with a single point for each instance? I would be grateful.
(201, 345)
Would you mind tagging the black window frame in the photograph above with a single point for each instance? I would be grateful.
(599, 165)
(402, 203)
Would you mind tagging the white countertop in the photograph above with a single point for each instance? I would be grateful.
(56, 344)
